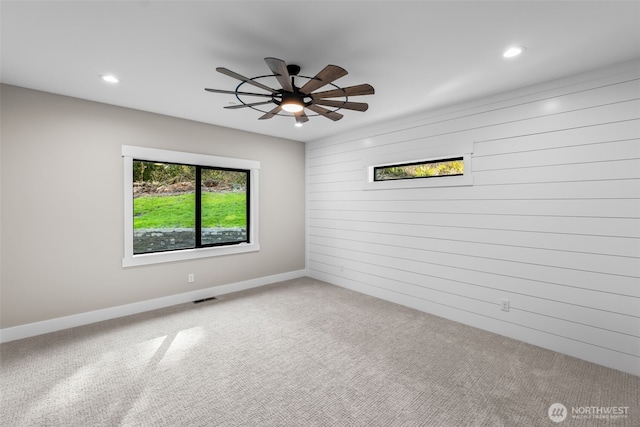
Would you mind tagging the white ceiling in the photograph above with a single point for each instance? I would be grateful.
(418, 55)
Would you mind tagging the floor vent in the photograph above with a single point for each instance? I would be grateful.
(203, 300)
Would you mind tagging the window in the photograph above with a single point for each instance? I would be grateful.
(182, 206)
(178, 206)
(426, 169)
(442, 171)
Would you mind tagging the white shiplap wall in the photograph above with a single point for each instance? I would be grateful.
(551, 222)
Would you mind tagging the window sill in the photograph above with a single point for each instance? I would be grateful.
(443, 181)
(188, 254)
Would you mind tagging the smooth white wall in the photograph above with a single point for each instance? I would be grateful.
(62, 206)
(552, 222)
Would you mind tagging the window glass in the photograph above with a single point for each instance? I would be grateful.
(224, 208)
(170, 214)
(427, 169)
(163, 207)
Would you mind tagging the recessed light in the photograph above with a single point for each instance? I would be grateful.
(109, 78)
(513, 51)
(298, 125)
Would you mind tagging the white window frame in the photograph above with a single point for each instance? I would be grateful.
(466, 179)
(129, 153)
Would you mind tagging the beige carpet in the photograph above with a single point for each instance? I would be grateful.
(299, 353)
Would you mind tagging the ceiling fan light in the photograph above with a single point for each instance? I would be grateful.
(291, 107)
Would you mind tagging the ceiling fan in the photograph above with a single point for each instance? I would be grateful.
(293, 99)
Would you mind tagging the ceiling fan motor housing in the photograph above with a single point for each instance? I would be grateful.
(294, 97)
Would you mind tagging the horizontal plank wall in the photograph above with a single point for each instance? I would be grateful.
(551, 222)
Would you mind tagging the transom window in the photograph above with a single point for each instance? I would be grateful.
(384, 173)
(425, 169)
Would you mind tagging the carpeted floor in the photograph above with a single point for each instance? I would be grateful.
(299, 353)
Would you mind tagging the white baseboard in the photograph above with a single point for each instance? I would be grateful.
(39, 328)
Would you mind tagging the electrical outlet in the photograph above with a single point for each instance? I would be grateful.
(505, 304)
(191, 278)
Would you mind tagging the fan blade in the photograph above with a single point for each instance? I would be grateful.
(357, 106)
(324, 112)
(279, 68)
(244, 79)
(364, 89)
(231, 107)
(270, 114)
(301, 117)
(231, 92)
(324, 77)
